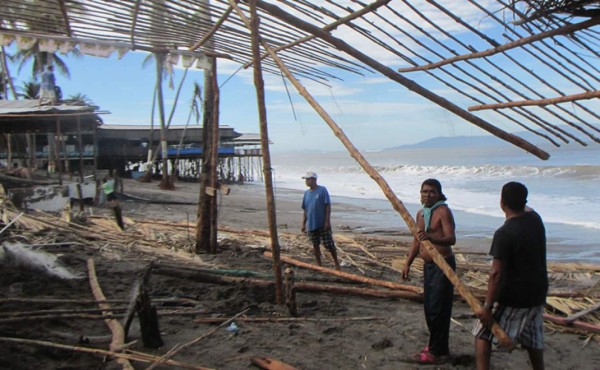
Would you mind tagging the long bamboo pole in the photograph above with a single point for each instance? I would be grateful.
(355, 153)
(353, 277)
(547, 101)
(259, 83)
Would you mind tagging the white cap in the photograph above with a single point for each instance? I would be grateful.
(309, 174)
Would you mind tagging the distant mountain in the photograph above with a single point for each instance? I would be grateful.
(463, 141)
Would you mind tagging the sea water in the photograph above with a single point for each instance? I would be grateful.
(563, 190)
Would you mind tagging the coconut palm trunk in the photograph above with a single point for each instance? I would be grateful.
(165, 182)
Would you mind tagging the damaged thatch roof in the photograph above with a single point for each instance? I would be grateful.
(519, 65)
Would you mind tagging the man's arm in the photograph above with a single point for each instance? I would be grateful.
(328, 217)
(303, 227)
(485, 314)
(412, 254)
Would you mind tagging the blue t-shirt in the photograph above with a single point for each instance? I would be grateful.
(314, 203)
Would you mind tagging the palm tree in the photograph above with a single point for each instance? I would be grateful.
(29, 90)
(80, 98)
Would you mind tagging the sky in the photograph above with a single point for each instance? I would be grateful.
(373, 112)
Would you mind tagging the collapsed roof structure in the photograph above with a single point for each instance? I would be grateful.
(519, 65)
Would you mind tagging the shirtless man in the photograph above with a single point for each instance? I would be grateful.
(436, 224)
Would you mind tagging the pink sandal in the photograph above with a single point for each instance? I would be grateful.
(427, 358)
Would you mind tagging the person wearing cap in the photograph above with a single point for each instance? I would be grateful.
(317, 211)
(435, 223)
(518, 281)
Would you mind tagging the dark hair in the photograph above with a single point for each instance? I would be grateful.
(514, 195)
(436, 184)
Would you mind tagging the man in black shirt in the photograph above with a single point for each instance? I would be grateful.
(518, 281)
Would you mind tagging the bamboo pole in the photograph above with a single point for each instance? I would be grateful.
(212, 31)
(266, 157)
(353, 277)
(118, 339)
(569, 28)
(141, 357)
(547, 101)
(387, 190)
(411, 85)
(331, 26)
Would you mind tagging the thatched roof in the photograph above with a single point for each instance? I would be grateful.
(517, 65)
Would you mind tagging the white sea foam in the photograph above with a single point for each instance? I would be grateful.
(563, 190)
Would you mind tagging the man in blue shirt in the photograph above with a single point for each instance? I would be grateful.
(317, 211)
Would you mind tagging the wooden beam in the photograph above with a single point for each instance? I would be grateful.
(511, 45)
(538, 102)
(63, 10)
(136, 10)
(213, 30)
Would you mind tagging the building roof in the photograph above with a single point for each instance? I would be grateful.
(20, 116)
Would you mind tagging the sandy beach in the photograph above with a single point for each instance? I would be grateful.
(331, 331)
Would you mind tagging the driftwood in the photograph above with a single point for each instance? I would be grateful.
(576, 324)
(115, 327)
(268, 363)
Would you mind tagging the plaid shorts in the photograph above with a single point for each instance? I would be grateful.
(522, 325)
(322, 235)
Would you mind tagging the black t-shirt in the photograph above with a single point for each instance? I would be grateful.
(521, 246)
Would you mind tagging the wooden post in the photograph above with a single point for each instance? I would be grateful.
(290, 292)
(58, 148)
(214, 157)
(355, 153)
(80, 150)
(264, 143)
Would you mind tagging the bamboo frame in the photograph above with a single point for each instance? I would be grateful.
(570, 28)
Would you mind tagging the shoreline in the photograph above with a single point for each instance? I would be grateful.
(245, 208)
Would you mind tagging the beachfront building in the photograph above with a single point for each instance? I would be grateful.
(70, 136)
(130, 151)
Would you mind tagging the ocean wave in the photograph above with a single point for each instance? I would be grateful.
(482, 172)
